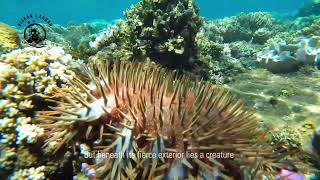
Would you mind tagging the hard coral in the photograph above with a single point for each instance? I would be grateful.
(74, 39)
(221, 67)
(27, 77)
(286, 139)
(136, 110)
(9, 39)
(162, 30)
(283, 57)
(257, 27)
(313, 30)
(255, 21)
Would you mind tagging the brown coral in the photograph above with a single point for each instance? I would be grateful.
(141, 108)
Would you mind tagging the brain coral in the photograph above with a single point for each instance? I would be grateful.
(8, 38)
(161, 126)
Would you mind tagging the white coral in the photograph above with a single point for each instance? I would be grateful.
(30, 174)
(7, 71)
(6, 122)
(57, 69)
(30, 132)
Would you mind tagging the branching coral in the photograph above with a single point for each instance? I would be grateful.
(27, 76)
(162, 30)
(32, 173)
(137, 108)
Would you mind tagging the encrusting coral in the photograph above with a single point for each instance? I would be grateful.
(27, 77)
(137, 108)
(9, 39)
(162, 30)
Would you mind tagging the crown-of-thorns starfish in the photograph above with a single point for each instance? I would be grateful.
(142, 108)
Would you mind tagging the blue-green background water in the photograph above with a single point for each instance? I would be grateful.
(79, 11)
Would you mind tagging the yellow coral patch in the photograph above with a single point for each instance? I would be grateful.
(8, 38)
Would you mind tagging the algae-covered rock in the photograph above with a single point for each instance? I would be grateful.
(162, 30)
(9, 39)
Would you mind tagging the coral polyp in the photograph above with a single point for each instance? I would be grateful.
(163, 124)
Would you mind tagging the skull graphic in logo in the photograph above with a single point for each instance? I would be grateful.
(35, 34)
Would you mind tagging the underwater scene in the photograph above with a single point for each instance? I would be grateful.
(160, 89)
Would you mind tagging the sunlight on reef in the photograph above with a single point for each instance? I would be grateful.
(282, 100)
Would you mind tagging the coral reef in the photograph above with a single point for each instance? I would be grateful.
(115, 119)
(283, 57)
(224, 69)
(313, 30)
(27, 77)
(32, 173)
(257, 27)
(162, 30)
(73, 35)
(245, 52)
(216, 60)
(74, 39)
(281, 100)
(141, 108)
(9, 39)
(285, 139)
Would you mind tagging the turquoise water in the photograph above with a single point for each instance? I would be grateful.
(79, 11)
